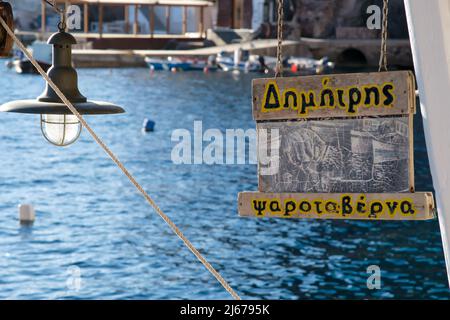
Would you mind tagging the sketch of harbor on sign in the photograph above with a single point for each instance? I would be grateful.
(341, 155)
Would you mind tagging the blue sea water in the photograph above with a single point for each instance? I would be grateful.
(89, 217)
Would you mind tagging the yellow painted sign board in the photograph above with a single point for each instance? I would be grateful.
(369, 206)
(342, 95)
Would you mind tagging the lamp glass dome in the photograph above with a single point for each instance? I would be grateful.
(60, 129)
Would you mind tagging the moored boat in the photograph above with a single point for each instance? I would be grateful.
(305, 65)
(180, 64)
(252, 63)
(41, 51)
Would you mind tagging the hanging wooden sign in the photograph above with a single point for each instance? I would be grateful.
(336, 146)
(6, 42)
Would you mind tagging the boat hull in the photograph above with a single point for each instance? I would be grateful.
(26, 67)
(169, 65)
(429, 33)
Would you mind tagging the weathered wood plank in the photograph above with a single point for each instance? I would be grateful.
(86, 18)
(338, 155)
(338, 95)
(364, 206)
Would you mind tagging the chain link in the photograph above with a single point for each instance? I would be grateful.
(384, 33)
(279, 67)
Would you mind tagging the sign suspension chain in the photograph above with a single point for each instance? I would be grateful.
(279, 67)
(383, 50)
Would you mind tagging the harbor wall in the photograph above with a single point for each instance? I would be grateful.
(335, 28)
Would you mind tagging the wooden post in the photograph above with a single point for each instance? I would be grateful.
(126, 14)
(184, 20)
(86, 18)
(100, 19)
(201, 22)
(43, 17)
(152, 20)
(168, 19)
(136, 17)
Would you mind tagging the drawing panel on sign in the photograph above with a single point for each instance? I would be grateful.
(342, 155)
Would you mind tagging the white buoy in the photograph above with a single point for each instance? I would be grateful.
(26, 213)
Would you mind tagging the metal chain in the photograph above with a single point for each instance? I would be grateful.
(62, 15)
(384, 34)
(97, 139)
(52, 3)
(279, 66)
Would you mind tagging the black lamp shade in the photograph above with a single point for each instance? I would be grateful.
(38, 107)
(66, 79)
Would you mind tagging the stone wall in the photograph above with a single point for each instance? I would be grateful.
(321, 18)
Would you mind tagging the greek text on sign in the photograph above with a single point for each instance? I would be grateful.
(377, 206)
(343, 95)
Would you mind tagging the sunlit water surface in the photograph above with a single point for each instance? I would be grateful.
(90, 216)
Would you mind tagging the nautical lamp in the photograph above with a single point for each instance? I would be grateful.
(58, 125)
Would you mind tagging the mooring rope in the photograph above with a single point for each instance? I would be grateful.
(172, 225)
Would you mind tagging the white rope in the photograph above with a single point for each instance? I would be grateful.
(174, 228)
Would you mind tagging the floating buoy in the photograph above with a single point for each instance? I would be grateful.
(148, 125)
(26, 214)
